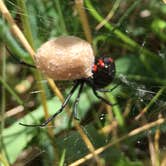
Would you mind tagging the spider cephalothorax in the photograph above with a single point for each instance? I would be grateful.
(103, 72)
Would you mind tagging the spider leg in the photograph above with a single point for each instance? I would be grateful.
(25, 63)
(108, 90)
(20, 61)
(101, 98)
(74, 112)
(77, 101)
(59, 111)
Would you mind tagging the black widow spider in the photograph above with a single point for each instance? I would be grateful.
(103, 74)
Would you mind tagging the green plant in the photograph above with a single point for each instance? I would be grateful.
(126, 134)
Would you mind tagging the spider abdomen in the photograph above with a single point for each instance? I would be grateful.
(65, 58)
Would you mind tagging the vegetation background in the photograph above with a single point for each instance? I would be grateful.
(130, 133)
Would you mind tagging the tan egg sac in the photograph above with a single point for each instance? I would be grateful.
(65, 58)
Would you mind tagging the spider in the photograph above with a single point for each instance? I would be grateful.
(103, 74)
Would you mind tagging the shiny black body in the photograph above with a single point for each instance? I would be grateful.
(103, 75)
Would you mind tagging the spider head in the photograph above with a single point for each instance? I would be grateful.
(103, 72)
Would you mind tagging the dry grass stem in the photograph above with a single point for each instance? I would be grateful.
(84, 19)
(127, 108)
(130, 134)
(15, 29)
(76, 124)
(145, 109)
(156, 145)
(14, 111)
(163, 163)
(109, 16)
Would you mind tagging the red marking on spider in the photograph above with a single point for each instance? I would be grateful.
(94, 68)
(100, 63)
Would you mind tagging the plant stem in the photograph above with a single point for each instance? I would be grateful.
(146, 79)
(28, 34)
(11, 43)
(25, 21)
(3, 101)
(122, 138)
(15, 29)
(142, 112)
(62, 21)
(84, 19)
(3, 160)
(11, 91)
(3, 106)
(146, 55)
(117, 111)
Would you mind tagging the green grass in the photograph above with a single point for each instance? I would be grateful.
(135, 37)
